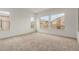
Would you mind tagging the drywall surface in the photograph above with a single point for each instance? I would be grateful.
(78, 19)
(71, 22)
(19, 23)
(78, 27)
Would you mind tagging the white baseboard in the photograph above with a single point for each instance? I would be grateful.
(17, 35)
(78, 37)
(59, 35)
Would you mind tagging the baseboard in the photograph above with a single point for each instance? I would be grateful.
(38, 32)
(18, 35)
(78, 37)
(59, 35)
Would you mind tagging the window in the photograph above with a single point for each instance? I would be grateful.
(32, 22)
(4, 21)
(0, 25)
(44, 22)
(57, 21)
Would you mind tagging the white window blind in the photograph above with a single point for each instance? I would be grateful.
(4, 22)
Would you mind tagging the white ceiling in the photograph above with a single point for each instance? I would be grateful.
(37, 10)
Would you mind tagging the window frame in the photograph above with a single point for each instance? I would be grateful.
(2, 21)
(49, 21)
(32, 22)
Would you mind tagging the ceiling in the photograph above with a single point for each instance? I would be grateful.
(37, 10)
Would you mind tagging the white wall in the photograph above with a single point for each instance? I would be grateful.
(78, 27)
(78, 19)
(20, 22)
(71, 22)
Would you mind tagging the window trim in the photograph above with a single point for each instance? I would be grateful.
(9, 20)
(49, 24)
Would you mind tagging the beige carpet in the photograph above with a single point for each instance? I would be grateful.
(38, 42)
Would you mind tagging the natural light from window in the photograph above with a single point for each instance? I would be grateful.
(4, 21)
(56, 21)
